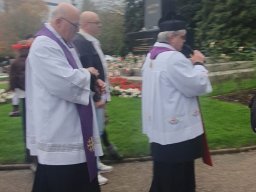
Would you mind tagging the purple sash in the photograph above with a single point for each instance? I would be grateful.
(157, 50)
(85, 112)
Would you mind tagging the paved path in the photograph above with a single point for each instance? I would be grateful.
(231, 173)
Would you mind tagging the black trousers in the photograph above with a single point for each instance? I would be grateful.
(173, 177)
(64, 178)
(28, 158)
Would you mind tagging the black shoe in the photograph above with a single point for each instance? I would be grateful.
(112, 152)
(14, 114)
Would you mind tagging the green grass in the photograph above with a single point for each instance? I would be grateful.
(227, 125)
(3, 85)
(232, 85)
(11, 137)
(124, 126)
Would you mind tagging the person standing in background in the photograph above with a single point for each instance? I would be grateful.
(17, 73)
(91, 55)
(17, 85)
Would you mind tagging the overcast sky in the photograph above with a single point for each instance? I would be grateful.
(79, 3)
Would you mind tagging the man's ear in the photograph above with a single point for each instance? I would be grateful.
(170, 39)
(58, 21)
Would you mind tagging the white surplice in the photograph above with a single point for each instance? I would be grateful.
(53, 88)
(170, 86)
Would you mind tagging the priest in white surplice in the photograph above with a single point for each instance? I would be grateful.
(170, 110)
(61, 126)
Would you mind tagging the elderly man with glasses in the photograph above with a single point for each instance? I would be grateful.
(61, 124)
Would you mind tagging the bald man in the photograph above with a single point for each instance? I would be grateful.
(62, 130)
(91, 55)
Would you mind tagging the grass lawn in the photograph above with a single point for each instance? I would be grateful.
(3, 85)
(227, 126)
(11, 137)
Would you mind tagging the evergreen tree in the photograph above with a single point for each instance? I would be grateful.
(227, 24)
(188, 9)
(133, 21)
(134, 15)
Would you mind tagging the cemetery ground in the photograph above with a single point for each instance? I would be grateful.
(226, 117)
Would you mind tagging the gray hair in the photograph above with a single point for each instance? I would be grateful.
(164, 36)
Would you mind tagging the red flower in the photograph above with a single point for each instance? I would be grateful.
(123, 83)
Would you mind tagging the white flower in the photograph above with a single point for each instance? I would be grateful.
(212, 44)
(240, 48)
(2, 91)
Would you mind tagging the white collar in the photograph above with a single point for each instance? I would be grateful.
(88, 36)
(157, 44)
(48, 26)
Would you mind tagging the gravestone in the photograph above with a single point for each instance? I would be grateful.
(155, 11)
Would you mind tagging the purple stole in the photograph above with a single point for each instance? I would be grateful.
(154, 52)
(85, 112)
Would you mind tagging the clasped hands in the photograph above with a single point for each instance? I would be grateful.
(101, 84)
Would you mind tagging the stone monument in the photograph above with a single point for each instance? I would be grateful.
(155, 11)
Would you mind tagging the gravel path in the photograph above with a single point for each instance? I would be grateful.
(231, 173)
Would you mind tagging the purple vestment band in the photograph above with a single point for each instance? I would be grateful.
(157, 50)
(85, 112)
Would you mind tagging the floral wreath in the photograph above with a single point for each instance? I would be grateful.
(24, 44)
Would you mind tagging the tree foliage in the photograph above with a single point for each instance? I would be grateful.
(20, 18)
(228, 25)
(134, 15)
(88, 5)
(188, 9)
(112, 33)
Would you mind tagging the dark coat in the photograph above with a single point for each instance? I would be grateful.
(89, 58)
(178, 152)
(17, 71)
(88, 55)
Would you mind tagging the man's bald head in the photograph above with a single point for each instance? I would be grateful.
(90, 23)
(64, 10)
(65, 20)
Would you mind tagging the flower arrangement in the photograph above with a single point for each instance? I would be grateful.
(122, 87)
(125, 66)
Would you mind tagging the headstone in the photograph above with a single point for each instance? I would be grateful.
(152, 13)
(155, 11)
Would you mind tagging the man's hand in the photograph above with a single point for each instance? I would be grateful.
(102, 85)
(197, 57)
(93, 71)
(100, 104)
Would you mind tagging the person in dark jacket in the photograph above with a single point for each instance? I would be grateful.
(17, 84)
(17, 76)
(91, 55)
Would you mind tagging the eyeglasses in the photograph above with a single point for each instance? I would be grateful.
(95, 22)
(76, 25)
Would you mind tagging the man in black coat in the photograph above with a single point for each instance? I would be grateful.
(91, 55)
